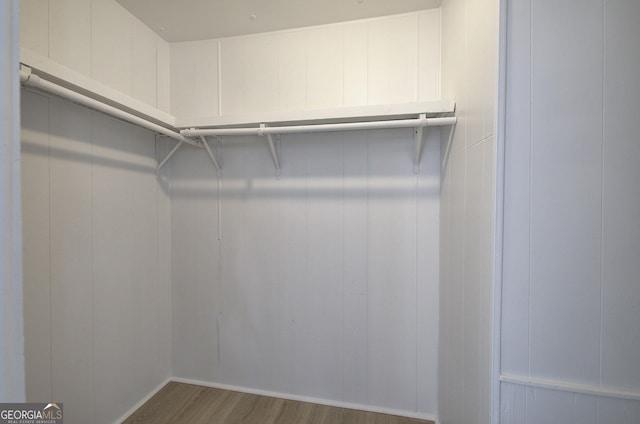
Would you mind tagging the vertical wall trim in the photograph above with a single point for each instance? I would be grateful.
(342, 103)
(219, 51)
(440, 53)
(132, 55)
(92, 118)
(49, 29)
(48, 102)
(91, 71)
(418, 46)
(368, 68)
(368, 272)
(12, 388)
(219, 178)
(416, 271)
(343, 221)
(602, 185)
(529, 321)
(499, 160)
(157, 73)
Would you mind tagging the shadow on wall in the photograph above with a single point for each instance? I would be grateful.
(75, 156)
(356, 166)
(353, 165)
(313, 190)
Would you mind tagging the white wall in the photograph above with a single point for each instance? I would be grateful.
(96, 261)
(101, 40)
(96, 218)
(324, 282)
(392, 59)
(571, 287)
(11, 320)
(469, 70)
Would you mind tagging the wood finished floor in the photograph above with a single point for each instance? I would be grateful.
(179, 403)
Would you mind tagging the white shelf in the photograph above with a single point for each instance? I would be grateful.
(434, 109)
(67, 83)
(82, 84)
(418, 116)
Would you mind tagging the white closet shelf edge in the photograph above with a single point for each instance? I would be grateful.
(58, 79)
(343, 114)
(84, 85)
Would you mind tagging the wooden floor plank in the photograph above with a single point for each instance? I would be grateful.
(236, 413)
(163, 407)
(323, 414)
(264, 411)
(179, 403)
(207, 404)
(359, 417)
(294, 412)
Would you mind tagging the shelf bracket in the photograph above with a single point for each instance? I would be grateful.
(210, 153)
(272, 148)
(418, 137)
(171, 153)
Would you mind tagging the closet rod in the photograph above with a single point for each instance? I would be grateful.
(32, 80)
(345, 126)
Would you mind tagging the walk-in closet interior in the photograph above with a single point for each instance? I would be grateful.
(424, 208)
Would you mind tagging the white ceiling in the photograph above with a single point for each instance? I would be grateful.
(186, 20)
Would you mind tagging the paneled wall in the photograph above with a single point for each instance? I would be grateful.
(96, 261)
(101, 40)
(571, 247)
(321, 283)
(11, 313)
(469, 65)
(392, 59)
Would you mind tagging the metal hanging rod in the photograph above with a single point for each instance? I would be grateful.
(30, 79)
(418, 124)
(298, 129)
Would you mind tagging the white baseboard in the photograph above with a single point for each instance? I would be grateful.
(142, 401)
(320, 401)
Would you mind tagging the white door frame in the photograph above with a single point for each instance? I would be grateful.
(12, 385)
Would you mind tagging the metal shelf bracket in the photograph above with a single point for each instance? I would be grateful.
(210, 153)
(171, 153)
(272, 147)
